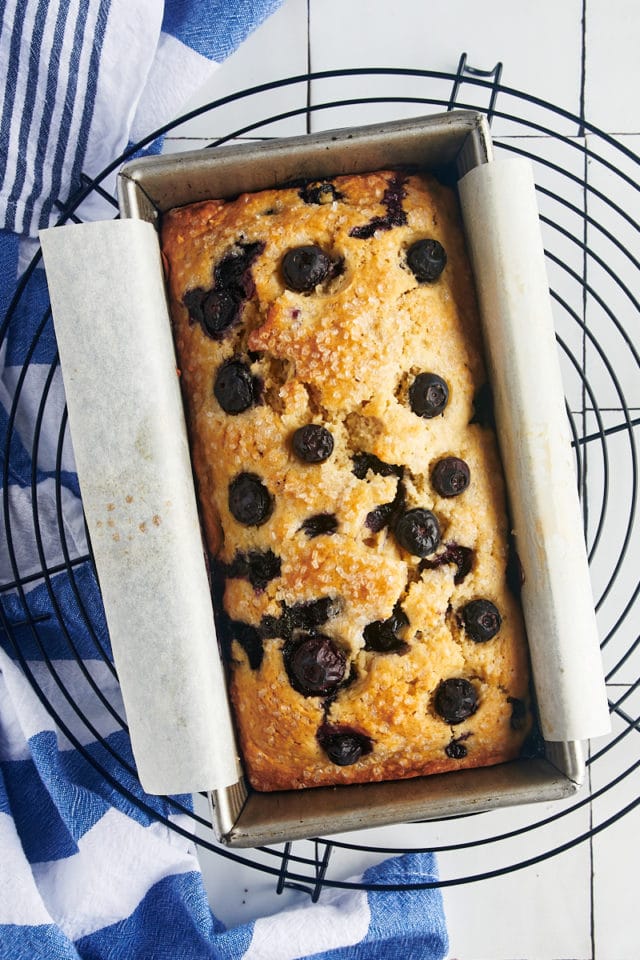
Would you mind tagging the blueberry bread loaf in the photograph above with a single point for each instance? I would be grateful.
(348, 480)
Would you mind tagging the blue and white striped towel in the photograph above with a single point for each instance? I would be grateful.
(90, 866)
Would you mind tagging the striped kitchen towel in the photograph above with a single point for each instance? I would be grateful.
(91, 866)
(86, 77)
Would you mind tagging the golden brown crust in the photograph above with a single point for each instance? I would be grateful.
(344, 355)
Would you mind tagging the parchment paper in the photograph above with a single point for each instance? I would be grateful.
(133, 463)
(501, 220)
(132, 458)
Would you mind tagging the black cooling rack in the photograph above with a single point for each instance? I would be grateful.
(587, 190)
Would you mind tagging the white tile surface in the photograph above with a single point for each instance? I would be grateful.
(614, 518)
(577, 904)
(616, 850)
(612, 307)
(277, 50)
(613, 66)
(541, 912)
(487, 846)
(539, 45)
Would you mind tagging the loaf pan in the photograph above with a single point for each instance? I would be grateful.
(450, 145)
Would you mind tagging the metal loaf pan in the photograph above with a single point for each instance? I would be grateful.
(448, 144)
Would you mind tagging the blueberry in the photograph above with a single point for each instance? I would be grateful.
(234, 387)
(394, 216)
(450, 476)
(385, 513)
(307, 616)
(481, 620)
(321, 192)
(320, 523)
(455, 700)
(310, 614)
(342, 744)
(382, 635)
(312, 443)
(428, 395)
(418, 531)
(456, 750)
(461, 557)
(427, 259)
(249, 639)
(192, 300)
(249, 500)
(534, 744)
(232, 272)
(315, 665)
(364, 461)
(259, 568)
(378, 518)
(217, 309)
(303, 268)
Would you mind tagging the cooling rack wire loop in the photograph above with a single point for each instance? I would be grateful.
(587, 187)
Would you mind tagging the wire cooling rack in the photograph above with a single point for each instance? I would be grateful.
(587, 190)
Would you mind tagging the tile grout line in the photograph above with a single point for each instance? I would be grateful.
(583, 83)
(581, 133)
(592, 874)
(583, 67)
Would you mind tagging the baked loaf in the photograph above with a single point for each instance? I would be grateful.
(348, 480)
